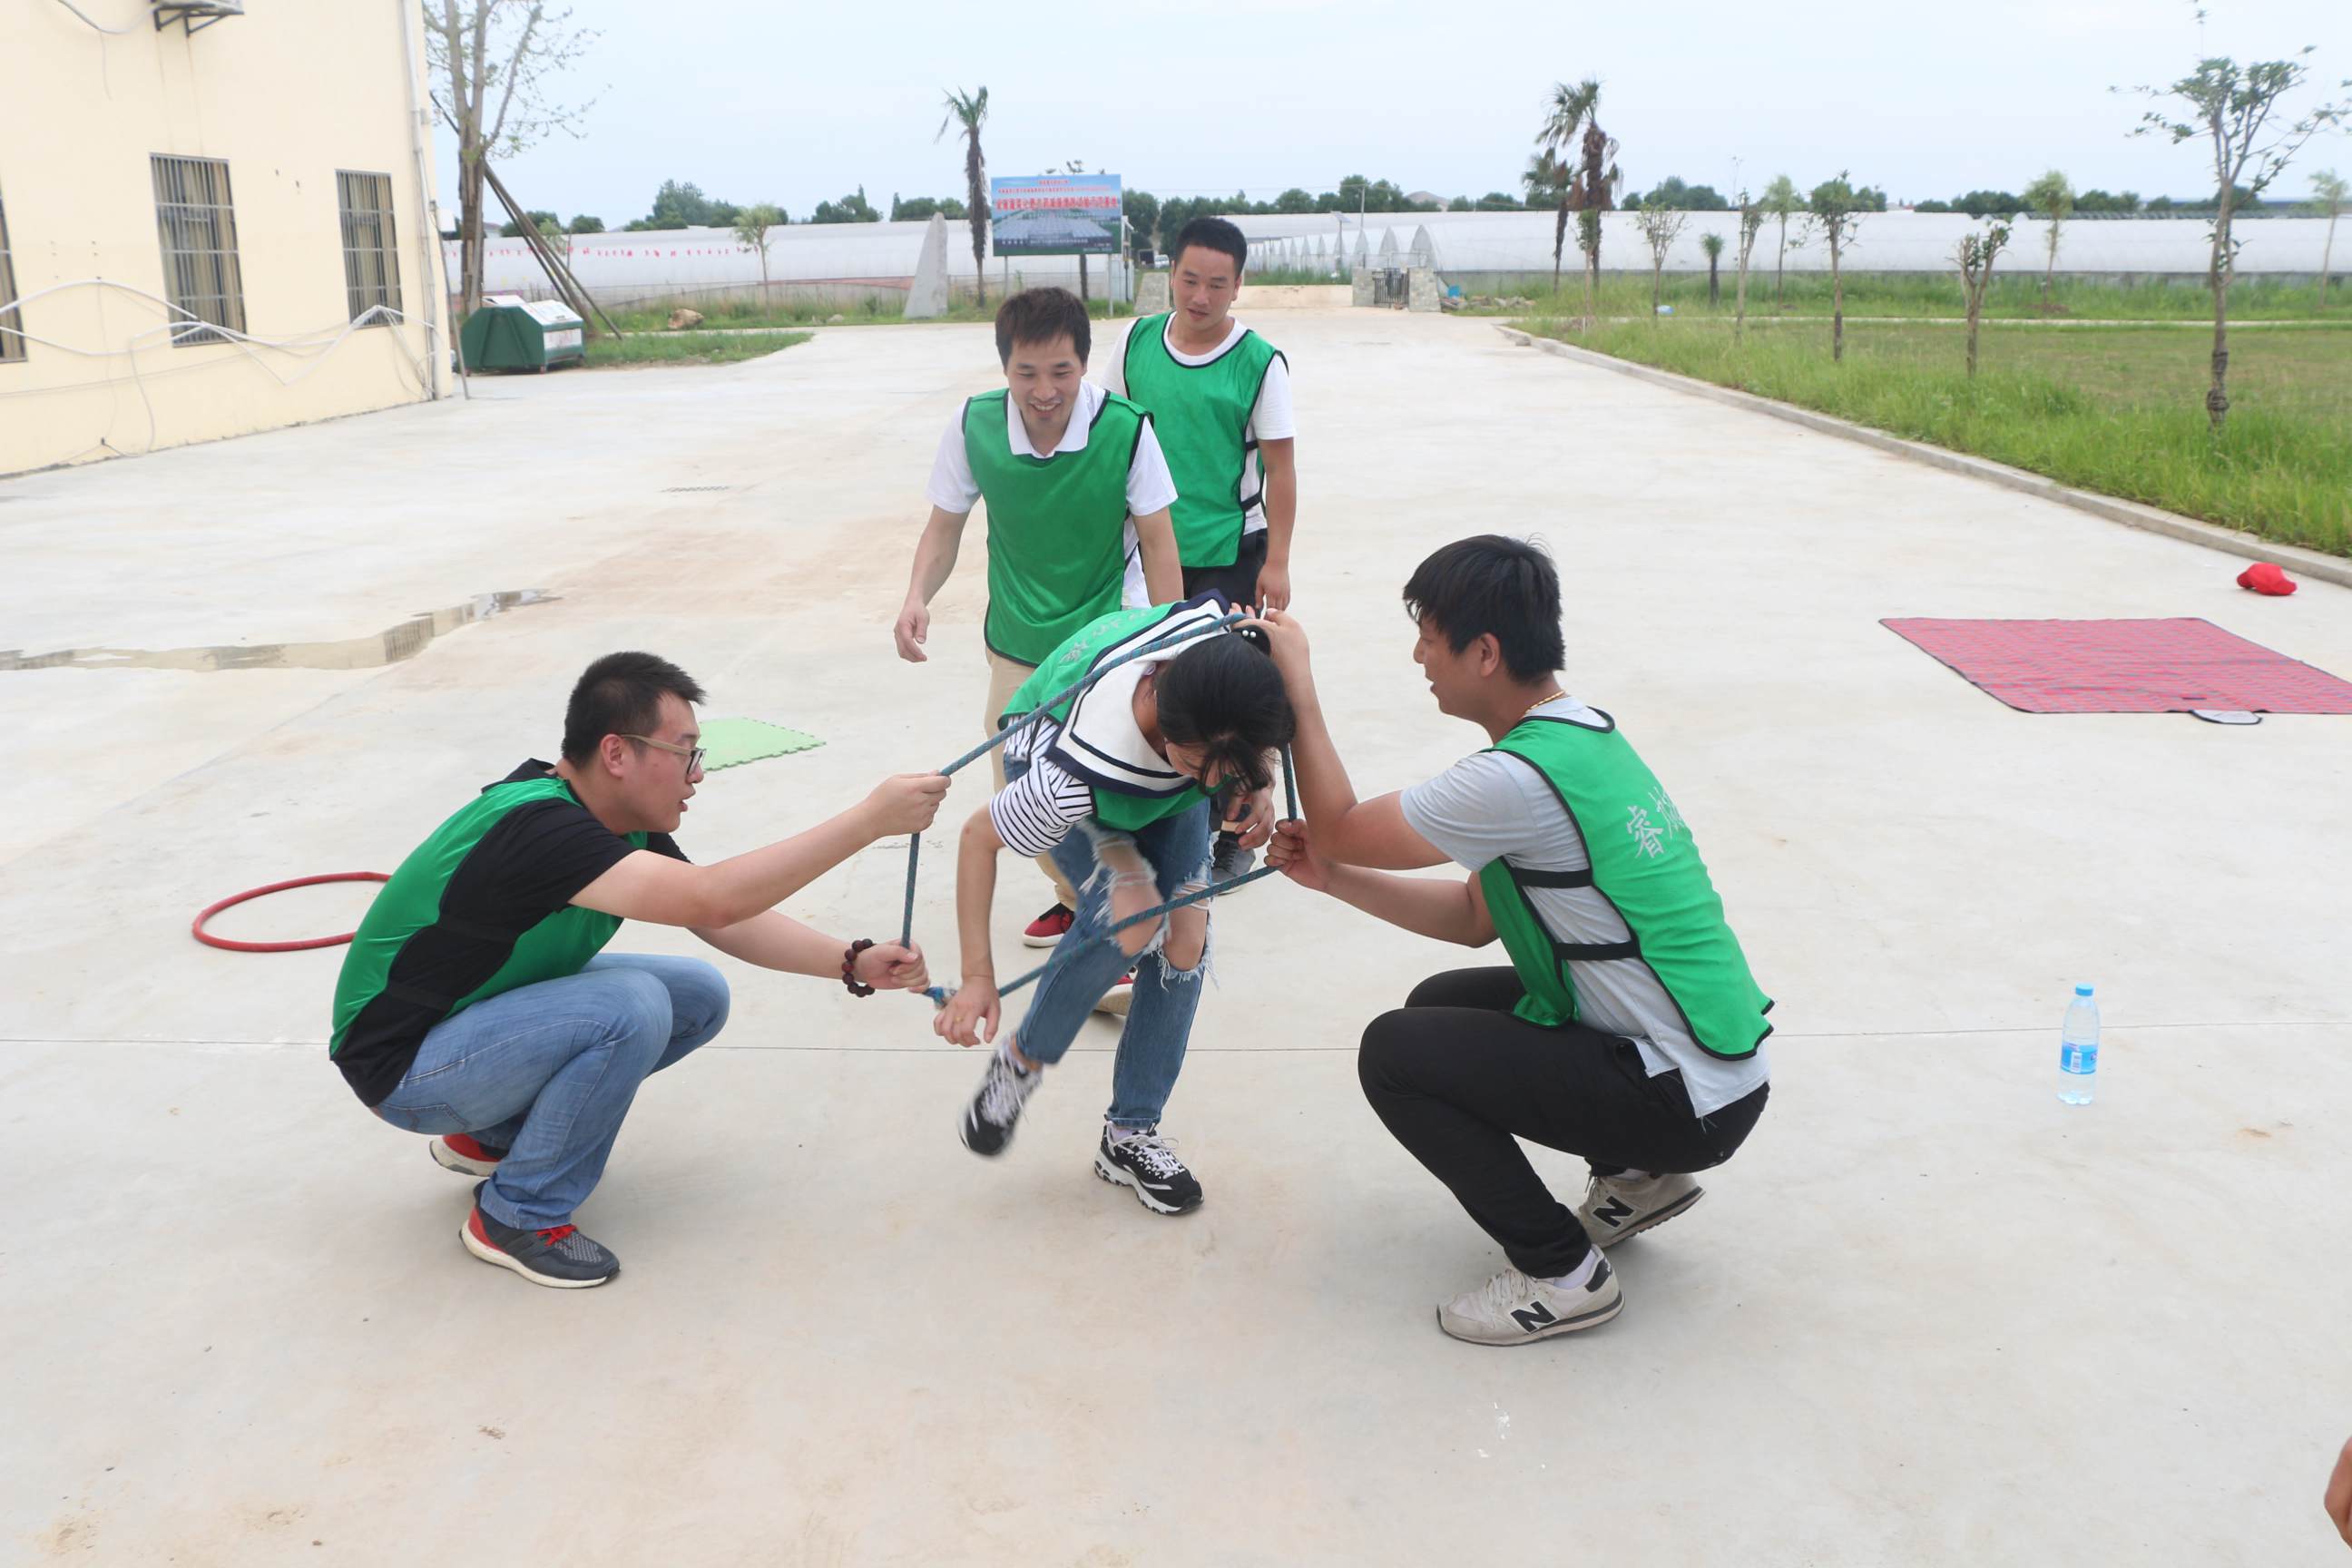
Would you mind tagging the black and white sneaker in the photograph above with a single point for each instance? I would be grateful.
(1145, 1161)
(996, 1108)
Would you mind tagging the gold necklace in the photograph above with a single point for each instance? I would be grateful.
(1556, 695)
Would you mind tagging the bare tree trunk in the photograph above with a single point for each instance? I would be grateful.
(1837, 305)
(1559, 243)
(1739, 306)
(469, 236)
(1779, 264)
(1976, 311)
(1082, 277)
(1714, 285)
(2216, 396)
(2327, 254)
(2049, 272)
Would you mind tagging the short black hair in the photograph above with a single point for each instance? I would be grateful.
(620, 694)
(1225, 696)
(1039, 316)
(1212, 234)
(1492, 585)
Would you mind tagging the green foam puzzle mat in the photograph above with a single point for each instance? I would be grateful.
(728, 742)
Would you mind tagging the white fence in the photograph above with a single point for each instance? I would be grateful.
(842, 261)
(835, 261)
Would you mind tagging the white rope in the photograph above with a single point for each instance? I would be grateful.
(110, 32)
(315, 345)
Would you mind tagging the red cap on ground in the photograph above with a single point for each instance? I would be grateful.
(2264, 578)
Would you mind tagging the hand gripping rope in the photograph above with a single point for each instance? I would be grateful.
(939, 995)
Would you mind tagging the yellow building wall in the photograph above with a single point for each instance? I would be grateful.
(288, 94)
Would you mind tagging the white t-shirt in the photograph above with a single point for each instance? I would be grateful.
(1150, 486)
(1490, 805)
(1270, 420)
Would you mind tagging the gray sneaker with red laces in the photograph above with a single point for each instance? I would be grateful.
(556, 1256)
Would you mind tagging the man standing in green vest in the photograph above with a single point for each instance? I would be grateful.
(1078, 497)
(1219, 397)
(1627, 1027)
(476, 1004)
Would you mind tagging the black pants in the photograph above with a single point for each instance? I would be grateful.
(1238, 582)
(1458, 1079)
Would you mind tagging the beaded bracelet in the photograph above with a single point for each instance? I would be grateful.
(849, 967)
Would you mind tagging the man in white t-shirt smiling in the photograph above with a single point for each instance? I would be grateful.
(1077, 494)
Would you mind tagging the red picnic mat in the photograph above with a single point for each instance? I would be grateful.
(2124, 667)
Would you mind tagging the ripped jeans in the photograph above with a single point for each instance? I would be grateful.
(1086, 964)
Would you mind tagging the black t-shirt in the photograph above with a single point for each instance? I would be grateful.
(501, 870)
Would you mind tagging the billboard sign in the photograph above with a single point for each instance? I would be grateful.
(1055, 215)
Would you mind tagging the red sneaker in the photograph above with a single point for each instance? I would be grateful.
(456, 1152)
(1050, 927)
(1119, 998)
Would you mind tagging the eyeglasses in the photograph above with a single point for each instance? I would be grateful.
(693, 754)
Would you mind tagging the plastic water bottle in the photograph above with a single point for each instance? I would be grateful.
(2078, 1049)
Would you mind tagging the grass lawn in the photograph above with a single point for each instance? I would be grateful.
(2114, 409)
(687, 348)
(2014, 296)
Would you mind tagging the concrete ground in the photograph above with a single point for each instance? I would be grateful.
(1927, 1315)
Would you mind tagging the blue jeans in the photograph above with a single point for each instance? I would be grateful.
(547, 1072)
(1086, 964)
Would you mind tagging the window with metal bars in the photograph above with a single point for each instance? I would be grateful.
(371, 256)
(198, 226)
(12, 318)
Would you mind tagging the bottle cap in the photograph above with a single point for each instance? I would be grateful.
(2082, 991)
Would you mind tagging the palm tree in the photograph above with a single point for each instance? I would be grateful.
(1574, 120)
(1547, 182)
(970, 111)
(1783, 202)
(1564, 119)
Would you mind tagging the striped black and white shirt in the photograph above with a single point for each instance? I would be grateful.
(1037, 810)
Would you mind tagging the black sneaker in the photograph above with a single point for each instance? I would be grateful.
(996, 1108)
(1145, 1162)
(1230, 861)
(558, 1255)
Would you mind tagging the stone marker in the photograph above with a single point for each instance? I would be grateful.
(928, 300)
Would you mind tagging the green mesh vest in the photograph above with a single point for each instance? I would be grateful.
(1645, 863)
(1099, 743)
(1200, 413)
(410, 903)
(1057, 525)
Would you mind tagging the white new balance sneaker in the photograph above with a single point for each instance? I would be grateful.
(1615, 1207)
(1511, 1309)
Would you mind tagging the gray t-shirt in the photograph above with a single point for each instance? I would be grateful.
(1490, 805)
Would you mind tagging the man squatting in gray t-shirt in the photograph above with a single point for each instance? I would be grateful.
(1626, 1029)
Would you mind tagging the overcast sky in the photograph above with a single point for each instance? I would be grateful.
(802, 99)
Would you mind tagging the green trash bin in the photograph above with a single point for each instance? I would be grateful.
(509, 334)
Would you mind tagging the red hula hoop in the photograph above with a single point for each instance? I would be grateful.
(196, 927)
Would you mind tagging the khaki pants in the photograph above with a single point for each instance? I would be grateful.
(1004, 678)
